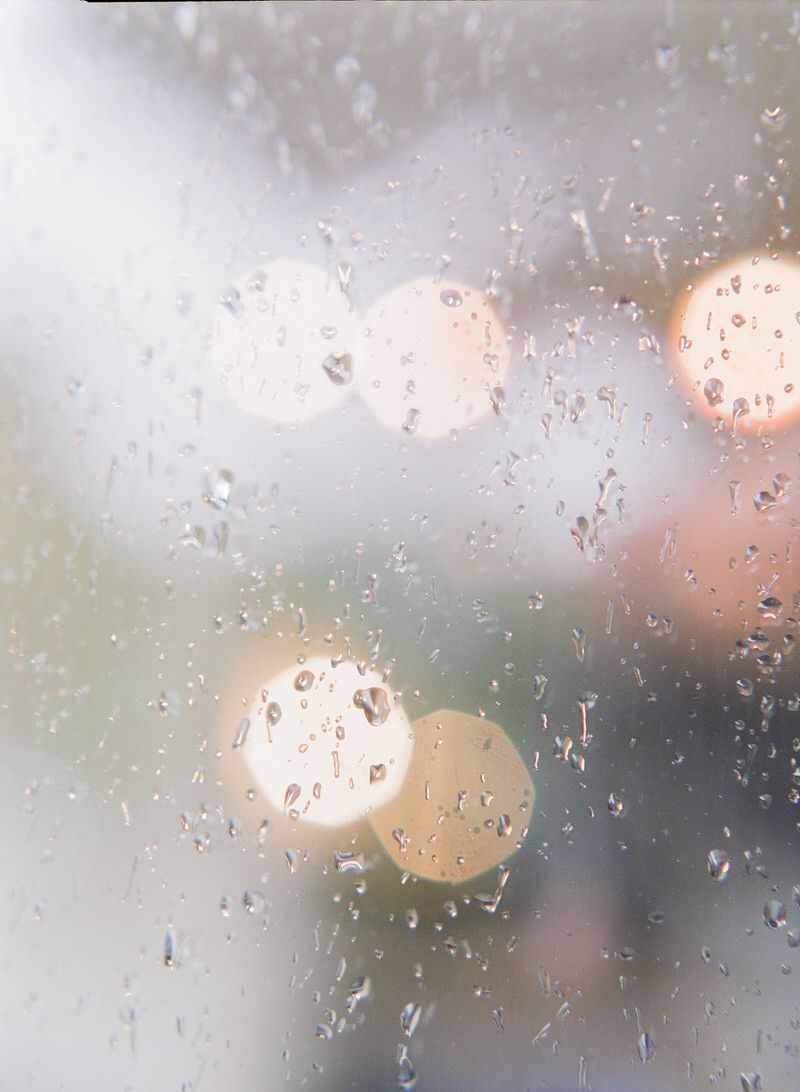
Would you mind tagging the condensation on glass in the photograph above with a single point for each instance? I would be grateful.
(401, 416)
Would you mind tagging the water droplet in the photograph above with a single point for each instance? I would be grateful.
(667, 59)
(374, 703)
(401, 838)
(774, 914)
(291, 796)
(539, 684)
(304, 680)
(241, 733)
(339, 368)
(580, 533)
(253, 902)
(781, 484)
(578, 409)
(273, 713)
(410, 423)
(504, 827)
(579, 643)
(406, 1074)
(377, 773)
(170, 947)
(751, 1082)
(562, 747)
(714, 390)
(232, 302)
(450, 297)
(793, 938)
(774, 118)
(348, 862)
(219, 495)
(646, 1046)
(360, 989)
(497, 396)
(290, 857)
(764, 501)
(770, 607)
(409, 1018)
(616, 805)
(741, 408)
(719, 865)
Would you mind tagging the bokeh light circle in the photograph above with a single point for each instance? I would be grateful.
(434, 358)
(282, 341)
(327, 744)
(465, 804)
(735, 335)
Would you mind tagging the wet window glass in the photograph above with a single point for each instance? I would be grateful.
(400, 408)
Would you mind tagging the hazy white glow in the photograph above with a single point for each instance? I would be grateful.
(274, 331)
(465, 803)
(324, 745)
(435, 351)
(736, 334)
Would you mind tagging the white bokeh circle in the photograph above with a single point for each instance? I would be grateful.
(432, 357)
(282, 341)
(320, 759)
(736, 336)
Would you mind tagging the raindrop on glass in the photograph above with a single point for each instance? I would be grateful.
(719, 865)
(304, 680)
(374, 703)
(774, 914)
(339, 368)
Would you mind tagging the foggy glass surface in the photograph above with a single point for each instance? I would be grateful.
(400, 411)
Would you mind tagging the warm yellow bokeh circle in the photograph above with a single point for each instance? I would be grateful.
(735, 335)
(465, 803)
(432, 358)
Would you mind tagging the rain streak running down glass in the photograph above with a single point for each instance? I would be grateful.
(400, 564)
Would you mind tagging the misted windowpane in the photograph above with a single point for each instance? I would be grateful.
(401, 417)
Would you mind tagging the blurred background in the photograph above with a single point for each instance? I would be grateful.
(585, 557)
